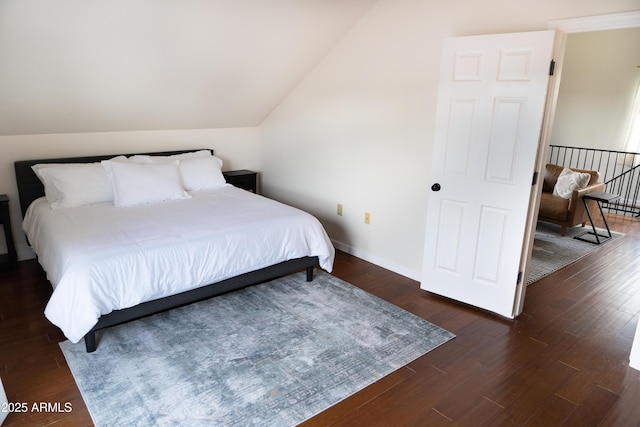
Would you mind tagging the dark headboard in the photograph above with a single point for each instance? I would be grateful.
(30, 188)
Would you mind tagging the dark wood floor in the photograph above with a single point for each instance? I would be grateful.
(564, 361)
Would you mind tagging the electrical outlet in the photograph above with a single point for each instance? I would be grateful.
(367, 218)
(339, 209)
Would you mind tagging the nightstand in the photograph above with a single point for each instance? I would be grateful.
(9, 260)
(245, 179)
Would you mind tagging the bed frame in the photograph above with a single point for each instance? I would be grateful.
(30, 188)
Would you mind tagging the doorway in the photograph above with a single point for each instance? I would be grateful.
(566, 27)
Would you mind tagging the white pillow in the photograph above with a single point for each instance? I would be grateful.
(144, 158)
(74, 184)
(136, 183)
(568, 181)
(201, 173)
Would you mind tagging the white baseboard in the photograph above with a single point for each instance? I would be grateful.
(25, 254)
(377, 261)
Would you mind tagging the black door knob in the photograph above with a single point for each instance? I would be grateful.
(436, 187)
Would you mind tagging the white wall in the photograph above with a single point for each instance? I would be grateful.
(358, 129)
(600, 77)
(238, 148)
(92, 77)
(98, 66)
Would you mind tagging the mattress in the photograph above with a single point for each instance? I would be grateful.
(101, 258)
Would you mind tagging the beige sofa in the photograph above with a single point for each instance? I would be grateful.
(566, 212)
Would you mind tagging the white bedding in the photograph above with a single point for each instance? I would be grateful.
(101, 258)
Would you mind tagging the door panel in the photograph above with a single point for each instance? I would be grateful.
(503, 142)
(491, 235)
(490, 108)
(450, 236)
(458, 148)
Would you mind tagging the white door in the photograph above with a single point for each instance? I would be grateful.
(490, 109)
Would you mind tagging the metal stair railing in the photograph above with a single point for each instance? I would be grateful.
(620, 171)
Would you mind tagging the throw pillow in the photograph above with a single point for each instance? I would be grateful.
(69, 185)
(568, 181)
(141, 183)
(201, 173)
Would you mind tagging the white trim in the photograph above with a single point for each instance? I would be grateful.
(414, 275)
(634, 358)
(597, 23)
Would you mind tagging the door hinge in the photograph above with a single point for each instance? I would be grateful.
(535, 178)
(519, 277)
(552, 67)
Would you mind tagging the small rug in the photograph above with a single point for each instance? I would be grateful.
(274, 354)
(551, 251)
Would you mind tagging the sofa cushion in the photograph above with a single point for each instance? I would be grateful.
(553, 207)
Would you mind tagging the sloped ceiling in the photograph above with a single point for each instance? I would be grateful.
(96, 66)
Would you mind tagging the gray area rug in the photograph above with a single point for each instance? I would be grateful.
(551, 251)
(274, 354)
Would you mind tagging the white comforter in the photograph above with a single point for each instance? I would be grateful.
(101, 258)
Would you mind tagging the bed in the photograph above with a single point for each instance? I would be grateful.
(120, 253)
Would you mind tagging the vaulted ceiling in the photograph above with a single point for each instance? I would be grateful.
(93, 66)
